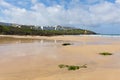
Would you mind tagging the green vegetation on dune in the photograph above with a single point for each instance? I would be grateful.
(10, 30)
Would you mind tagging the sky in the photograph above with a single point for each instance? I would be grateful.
(101, 16)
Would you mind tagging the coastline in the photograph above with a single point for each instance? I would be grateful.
(64, 37)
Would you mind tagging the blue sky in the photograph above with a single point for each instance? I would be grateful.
(102, 16)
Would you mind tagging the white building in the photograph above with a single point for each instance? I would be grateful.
(16, 25)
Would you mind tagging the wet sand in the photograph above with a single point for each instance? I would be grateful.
(37, 58)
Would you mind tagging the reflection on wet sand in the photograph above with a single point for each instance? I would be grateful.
(9, 40)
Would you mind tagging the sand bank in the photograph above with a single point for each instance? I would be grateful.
(36, 61)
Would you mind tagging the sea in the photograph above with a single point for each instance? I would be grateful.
(104, 35)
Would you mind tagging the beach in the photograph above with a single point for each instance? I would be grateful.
(38, 57)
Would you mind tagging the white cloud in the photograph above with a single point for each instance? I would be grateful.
(117, 1)
(76, 14)
(5, 4)
(105, 13)
(34, 1)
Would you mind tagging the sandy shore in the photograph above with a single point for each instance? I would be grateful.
(36, 61)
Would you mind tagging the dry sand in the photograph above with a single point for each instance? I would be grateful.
(39, 61)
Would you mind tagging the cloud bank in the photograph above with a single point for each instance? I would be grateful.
(63, 12)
